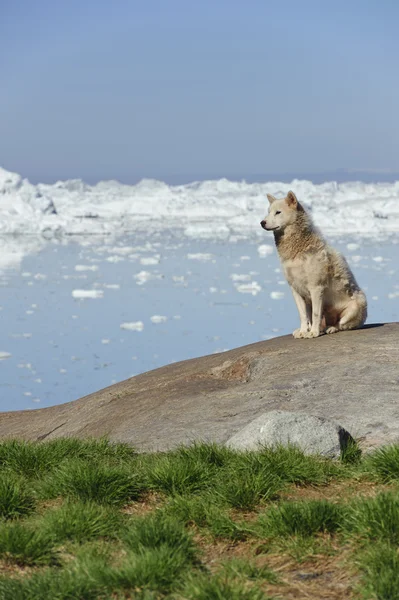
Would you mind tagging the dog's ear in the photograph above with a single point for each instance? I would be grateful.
(271, 198)
(291, 199)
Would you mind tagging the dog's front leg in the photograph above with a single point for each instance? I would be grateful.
(316, 295)
(303, 315)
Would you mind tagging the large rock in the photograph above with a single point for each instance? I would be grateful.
(351, 377)
(314, 435)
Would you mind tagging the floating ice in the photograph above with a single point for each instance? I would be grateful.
(249, 288)
(79, 294)
(265, 250)
(216, 209)
(4, 355)
(200, 256)
(144, 276)
(276, 295)
(86, 267)
(150, 260)
(133, 326)
(158, 319)
(238, 277)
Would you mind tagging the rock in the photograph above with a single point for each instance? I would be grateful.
(314, 435)
(351, 377)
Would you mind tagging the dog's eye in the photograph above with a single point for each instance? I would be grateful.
(278, 212)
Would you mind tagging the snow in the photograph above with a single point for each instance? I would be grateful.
(206, 209)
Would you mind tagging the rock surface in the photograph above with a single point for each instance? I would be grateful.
(351, 377)
(314, 435)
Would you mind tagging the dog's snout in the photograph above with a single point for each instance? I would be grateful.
(263, 224)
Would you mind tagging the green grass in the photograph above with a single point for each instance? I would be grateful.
(89, 519)
(32, 459)
(380, 566)
(26, 546)
(384, 463)
(249, 570)
(204, 587)
(208, 513)
(17, 499)
(375, 519)
(96, 482)
(82, 521)
(159, 531)
(301, 518)
(177, 474)
(245, 489)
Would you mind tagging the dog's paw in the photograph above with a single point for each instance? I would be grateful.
(312, 334)
(332, 330)
(299, 333)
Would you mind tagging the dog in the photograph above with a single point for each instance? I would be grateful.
(325, 290)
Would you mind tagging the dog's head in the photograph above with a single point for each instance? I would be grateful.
(281, 213)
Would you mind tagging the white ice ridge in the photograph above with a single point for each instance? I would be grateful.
(210, 209)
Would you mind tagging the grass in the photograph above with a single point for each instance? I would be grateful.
(85, 519)
(375, 519)
(301, 518)
(25, 546)
(159, 531)
(82, 521)
(16, 498)
(219, 588)
(384, 463)
(96, 482)
(380, 566)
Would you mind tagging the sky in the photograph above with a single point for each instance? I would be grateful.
(126, 89)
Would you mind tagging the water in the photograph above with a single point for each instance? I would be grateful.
(179, 299)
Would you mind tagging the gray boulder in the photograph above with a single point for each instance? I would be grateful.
(313, 435)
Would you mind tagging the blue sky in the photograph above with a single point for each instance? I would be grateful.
(126, 89)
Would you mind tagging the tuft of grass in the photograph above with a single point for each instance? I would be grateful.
(159, 569)
(380, 567)
(62, 584)
(94, 449)
(384, 463)
(291, 465)
(245, 489)
(97, 482)
(204, 512)
(176, 474)
(36, 459)
(375, 519)
(82, 521)
(159, 530)
(301, 518)
(29, 459)
(207, 453)
(25, 546)
(16, 499)
(238, 567)
(351, 453)
(191, 510)
(203, 587)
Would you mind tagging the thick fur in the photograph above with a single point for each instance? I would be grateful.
(324, 288)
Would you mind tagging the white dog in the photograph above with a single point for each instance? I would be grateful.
(324, 288)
